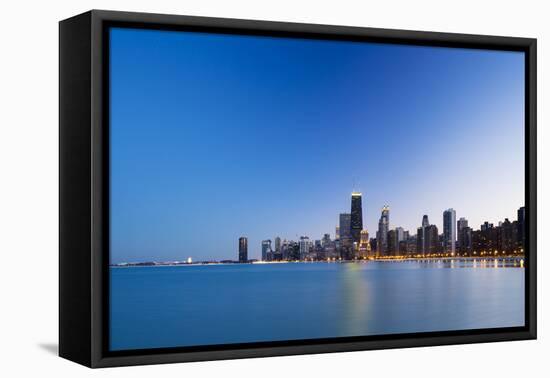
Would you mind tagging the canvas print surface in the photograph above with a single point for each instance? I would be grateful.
(267, 189)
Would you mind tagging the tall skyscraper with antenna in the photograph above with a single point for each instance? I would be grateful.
(356, 216)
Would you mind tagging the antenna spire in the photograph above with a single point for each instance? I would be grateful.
(355, 185)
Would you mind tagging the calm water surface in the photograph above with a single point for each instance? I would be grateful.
(153, 307)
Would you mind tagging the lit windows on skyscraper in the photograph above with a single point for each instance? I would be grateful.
(356, 216)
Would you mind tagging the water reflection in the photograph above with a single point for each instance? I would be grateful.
(452, 263)
(270, 302)
(355, 298)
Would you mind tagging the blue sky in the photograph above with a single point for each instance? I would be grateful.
(214, 137)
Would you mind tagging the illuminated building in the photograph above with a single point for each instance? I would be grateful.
(364, 244)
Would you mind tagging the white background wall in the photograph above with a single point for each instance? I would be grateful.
(29, 186)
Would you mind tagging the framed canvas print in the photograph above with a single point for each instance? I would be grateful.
(233, 188)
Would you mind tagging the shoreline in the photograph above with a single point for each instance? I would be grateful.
(520, 259)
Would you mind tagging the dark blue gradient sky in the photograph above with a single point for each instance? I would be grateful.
(218, 136)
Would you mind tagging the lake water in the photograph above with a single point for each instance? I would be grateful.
(171, 306)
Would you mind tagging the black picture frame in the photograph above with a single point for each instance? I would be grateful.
(84, 182)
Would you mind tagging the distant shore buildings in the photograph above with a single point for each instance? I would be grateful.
(352, 241)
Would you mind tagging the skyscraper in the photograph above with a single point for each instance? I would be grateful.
(425, 222)
(383, 228)
(393, 244)
(266, 250)
(400, 234)
(337, 233)
(486, 239)
(461, 234)
(346, 242)
(420, 240)
(466, 240)
(304, 247)
(409, 245)
(364, 244)
(326, 240)
(431, 239)
(243, 249)
(345, 227)
(461, 223)
(507, 236)
(356, 216)
(421, 235)
(291, 250)
(277, 244)
(449, 231)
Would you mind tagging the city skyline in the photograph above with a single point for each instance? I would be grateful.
(422, 128)
(456, 239)
(449, 241)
